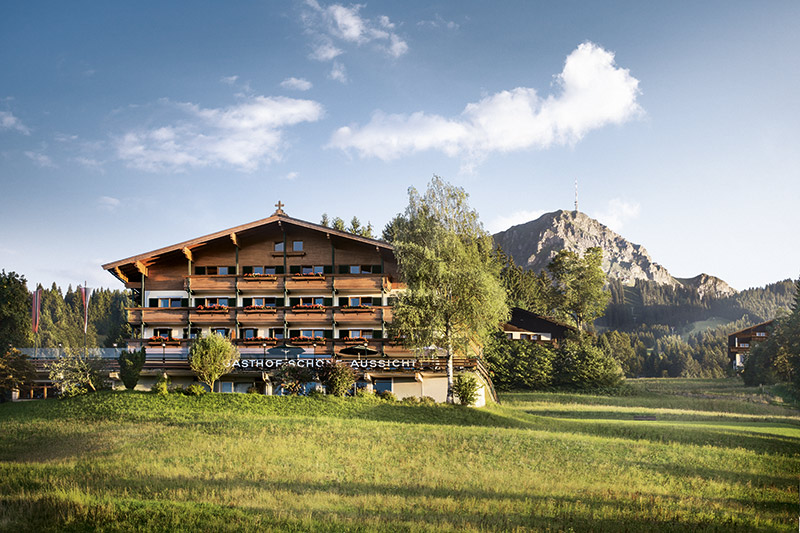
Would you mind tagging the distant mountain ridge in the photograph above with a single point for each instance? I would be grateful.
(533, 245)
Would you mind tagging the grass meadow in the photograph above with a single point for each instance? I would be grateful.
(716, 457)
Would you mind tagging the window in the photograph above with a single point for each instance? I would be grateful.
(279, 246)
(355, 301)
(355, 269)
(224, 271)
(363, 333)
(382, 385)
(226, 386)
(297, 246)
(524, 337)
(200, 271)
(257, 270)
(312, 333)
(191, 333)
(761, 333)
(231, 302)
(311, 300)
(211, 271)
(276, 333)
(249, 333)
(509, 335)
(162, 332)
(225, 332)
(263, 301)
(318, 269)
(169, 302)
(270, 270)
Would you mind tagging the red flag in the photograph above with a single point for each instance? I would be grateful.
(86, 293)
(36, 309)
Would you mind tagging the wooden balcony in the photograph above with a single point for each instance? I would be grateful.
(271, 316)
(352, 316)
(359, 283)
(208, 316)
(158, 315)
(309, 316)
(317, 284)
(216, 284)
(261, 284)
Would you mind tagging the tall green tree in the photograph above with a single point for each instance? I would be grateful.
(15, 311)
(210, 357)
(579, 284)
(454, 298)
(15, 371)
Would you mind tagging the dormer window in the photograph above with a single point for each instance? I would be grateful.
(297, 246)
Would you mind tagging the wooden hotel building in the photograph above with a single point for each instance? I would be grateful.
(285, 291)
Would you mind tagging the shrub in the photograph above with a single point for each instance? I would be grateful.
(195, 389)
(130, 367)
(427, 400)
(387, 395)
(252, 389)
(411, 400)
(161, 386)
(363, 392)
(465, 386)
(338, 378)
(516, 364)
(293, 379)
(581, 365)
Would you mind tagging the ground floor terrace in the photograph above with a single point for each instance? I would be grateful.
(403, 374)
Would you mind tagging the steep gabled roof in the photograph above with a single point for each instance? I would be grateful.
(528, 321)
(749, 328)
(133, 262)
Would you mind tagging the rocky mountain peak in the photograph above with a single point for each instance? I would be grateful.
(707, 286)
(534, 244)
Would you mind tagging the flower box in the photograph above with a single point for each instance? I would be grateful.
(212, 309)
(300, 341)
(355, 340)
(260, 277)
(270, 341)
(309, 276)
(259, 309)
(158, 341)
(314, 308)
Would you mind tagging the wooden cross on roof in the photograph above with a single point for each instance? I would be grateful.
(280, 210)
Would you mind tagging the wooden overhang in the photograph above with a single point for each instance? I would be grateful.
(526, 321)
(132, 268)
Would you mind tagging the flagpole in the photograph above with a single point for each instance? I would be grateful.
(85, 316)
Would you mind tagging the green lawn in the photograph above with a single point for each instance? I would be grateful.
(717, 457)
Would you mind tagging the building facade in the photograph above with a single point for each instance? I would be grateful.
(525, 325)
(285, 291)
(740, 342)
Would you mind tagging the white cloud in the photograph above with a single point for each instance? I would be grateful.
(336, 22)
(244, 136)
(108, 203)
(88, 162)
(9, 122)
(298, 84)
(41, 160)
(325, 51)
(438, 22)
(617, 213)
(230, 80)
(338, 72)
(594, 92)
(291, 176)
(503, 222)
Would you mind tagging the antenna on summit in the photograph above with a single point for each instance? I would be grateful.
(576, 195)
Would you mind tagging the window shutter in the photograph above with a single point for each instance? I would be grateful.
(327, 269)
(294, 333)
(344, 269)
(279, 302)
(199, 301)
(184, 302)
(293, 301)
(247, 301)
(376, 269)
(328, 333)
(232, 269)
(153, 302)
(294, 269)
(200, 271)
(279, 269)
(247, 270)
(342, 300)
(377, 334)
(327, 302)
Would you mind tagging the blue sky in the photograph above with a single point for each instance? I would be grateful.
(127, 127)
